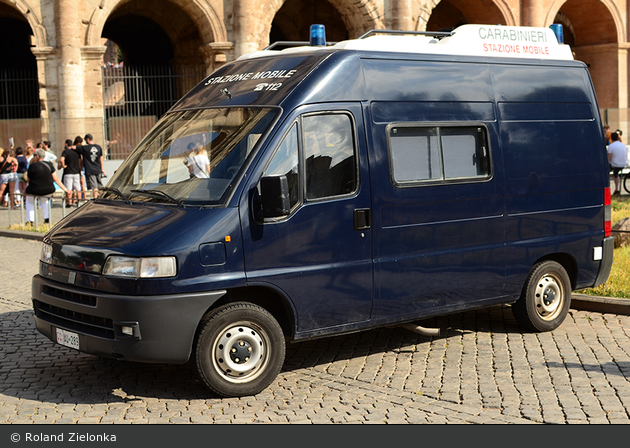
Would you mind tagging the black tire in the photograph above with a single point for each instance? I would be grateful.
(626, 183)
(546, 298)
(227, 338)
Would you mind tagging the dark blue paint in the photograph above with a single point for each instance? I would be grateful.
(212, 254)
(430, 249)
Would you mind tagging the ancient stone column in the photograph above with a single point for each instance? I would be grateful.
(48, 93)
(94, 113)
(69, 32)
(532, 13)
(402, 15)
(246, 33)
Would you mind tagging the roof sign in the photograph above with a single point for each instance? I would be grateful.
(466, 40)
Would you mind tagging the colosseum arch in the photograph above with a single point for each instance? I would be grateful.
(168, 46)
(612, 16)
(208, 22)
(358, 16)
(293, 20)
(20, 78)
(450, 13)
(33, 19)
(596, 32)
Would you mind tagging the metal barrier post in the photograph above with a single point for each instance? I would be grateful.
(36, 212)
(50, 215)
(22, 209)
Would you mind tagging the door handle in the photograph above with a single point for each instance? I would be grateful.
(362, 219)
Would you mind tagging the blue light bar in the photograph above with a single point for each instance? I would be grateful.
(318, 35)
(557, 30)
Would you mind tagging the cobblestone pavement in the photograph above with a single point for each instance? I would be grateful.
(485, 370)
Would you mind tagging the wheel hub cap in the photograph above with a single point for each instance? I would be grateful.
(239, 352)
(548, 297)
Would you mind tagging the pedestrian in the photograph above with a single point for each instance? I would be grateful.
(22, 167)
(92, 159)
(77, 146)
(50, 156)
(8, 177)
(198, 162)
(617, 157)
(70, 161)
(29, 146)
(41, 178)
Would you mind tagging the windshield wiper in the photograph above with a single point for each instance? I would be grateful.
(117, 192)
(159, 194)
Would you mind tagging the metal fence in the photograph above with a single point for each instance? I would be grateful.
(57, 210)
(19, 107)
(19, 94)
(134, 98)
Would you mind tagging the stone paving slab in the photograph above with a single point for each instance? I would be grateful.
(485, 369)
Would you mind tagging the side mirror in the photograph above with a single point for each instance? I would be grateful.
(274, 196)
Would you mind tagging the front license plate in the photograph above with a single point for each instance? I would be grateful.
(68, 339)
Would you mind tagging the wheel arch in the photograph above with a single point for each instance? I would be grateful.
(565, 260)
(269, 299)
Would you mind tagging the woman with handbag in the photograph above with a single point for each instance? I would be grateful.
(41, 178)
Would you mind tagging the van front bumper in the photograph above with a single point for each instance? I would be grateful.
(158, 329)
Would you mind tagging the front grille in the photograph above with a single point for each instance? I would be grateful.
(72, 320)
(83, 299)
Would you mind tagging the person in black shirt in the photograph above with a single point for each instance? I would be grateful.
(41, 178)
(70, 161)
(92, 158)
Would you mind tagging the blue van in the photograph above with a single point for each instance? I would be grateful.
(321, 190)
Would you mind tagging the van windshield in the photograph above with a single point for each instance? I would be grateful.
(191, 157)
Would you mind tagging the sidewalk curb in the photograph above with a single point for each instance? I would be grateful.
(606, 305)
(580, 302)
(37, 236)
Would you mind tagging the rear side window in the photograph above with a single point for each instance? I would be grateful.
(433, 153)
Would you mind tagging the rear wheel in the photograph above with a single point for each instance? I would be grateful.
(626, 182)
(239, 349)
(546, 297)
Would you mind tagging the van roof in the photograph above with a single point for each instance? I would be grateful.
(466, 40)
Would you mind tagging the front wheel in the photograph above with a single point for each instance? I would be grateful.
(239, 349)
(626, 182)
(546, 297)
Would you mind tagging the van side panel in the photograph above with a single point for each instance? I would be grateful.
(555, 167)
(430, 80)
(437, 247)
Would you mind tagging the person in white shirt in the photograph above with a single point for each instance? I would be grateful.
(50, 156)
(198, 163)
(617, 157)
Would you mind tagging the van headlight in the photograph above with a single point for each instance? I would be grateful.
(46, 255)
(149, 267)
